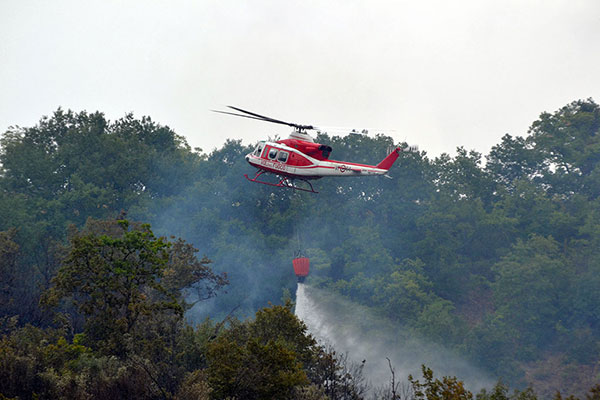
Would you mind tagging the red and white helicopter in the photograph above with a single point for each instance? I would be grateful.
(299, 158)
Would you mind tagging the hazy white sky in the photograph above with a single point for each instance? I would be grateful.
(441, 74)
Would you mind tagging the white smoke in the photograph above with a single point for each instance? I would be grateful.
(354, 330)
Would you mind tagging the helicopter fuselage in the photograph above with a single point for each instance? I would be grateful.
(308, 160)
(299, 158)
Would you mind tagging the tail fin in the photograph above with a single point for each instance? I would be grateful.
(387, 162)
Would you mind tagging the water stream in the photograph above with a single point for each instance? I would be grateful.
(353, 329)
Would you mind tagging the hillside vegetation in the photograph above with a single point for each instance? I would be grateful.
(495, 257)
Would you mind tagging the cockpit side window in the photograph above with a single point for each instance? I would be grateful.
(283, 156)
(272, 154)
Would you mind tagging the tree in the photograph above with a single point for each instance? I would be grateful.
(528, 288)
(462, 176)
(122, 278)
(405, 292)
(568, 144)
(262, 359)
(123, 161)
(9, 251)
(512, 160)
(71, 166)
(449, 388)
(462, 219)
(273, 356)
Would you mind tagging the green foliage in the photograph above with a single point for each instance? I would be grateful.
(194, 387)
(528, 289)
(568, 144)
(113, 280)
(512, 160)
(254, 370)
(9, 251)
(273, 356)
(405, 292)
(127, 283)
(43, 364)
(449, 388)
(70, 152)
(72, 166)
(498, 261)
(438, 322)
(498, 392)
(262, 359)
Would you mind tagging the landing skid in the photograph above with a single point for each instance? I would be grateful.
(284, 182)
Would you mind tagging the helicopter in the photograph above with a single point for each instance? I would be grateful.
(299, 158)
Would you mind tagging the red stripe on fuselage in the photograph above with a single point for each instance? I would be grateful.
(349, 163)
(288, 174)
(258, 164)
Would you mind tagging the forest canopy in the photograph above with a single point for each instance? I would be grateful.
(496, 257)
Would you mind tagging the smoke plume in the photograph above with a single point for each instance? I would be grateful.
(353, 329)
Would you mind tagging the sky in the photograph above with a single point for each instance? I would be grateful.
(438, 74)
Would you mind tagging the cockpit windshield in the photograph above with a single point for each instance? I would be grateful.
(259, 149)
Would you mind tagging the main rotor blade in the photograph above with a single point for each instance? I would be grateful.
(260, 116)
(269, 119)
(242, 115)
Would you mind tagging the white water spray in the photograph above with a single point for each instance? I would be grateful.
(354, 330)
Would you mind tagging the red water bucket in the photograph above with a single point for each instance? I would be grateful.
(301, 265)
